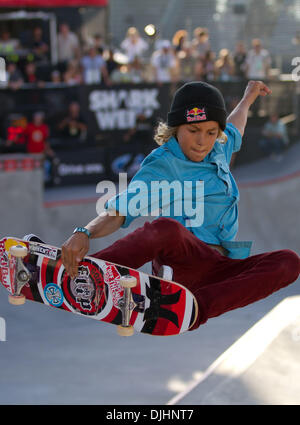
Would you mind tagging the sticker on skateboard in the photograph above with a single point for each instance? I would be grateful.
(101, 290)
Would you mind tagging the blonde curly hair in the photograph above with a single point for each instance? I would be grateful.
(163, 133)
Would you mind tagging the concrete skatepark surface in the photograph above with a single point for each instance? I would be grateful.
(52, 357)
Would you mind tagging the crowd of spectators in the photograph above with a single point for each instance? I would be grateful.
(23, 135)
(30, 133)
(274, 138)
(88, 60)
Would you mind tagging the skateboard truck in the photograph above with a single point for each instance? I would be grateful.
(126, 305)
(22, 275)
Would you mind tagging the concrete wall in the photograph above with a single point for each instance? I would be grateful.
(21, 202)
(22, 211)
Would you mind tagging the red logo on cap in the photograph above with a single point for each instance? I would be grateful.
(195, 114)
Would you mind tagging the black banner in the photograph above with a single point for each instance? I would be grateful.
(115, 110)
(73, 168)
(108, 112)
(117, 123)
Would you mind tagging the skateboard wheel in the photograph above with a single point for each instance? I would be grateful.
(19, 251)
(125, 330)
(16, 299)
(128, 281)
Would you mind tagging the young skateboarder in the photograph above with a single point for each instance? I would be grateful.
(197, 143)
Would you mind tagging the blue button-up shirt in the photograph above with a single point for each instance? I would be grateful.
(219, 195)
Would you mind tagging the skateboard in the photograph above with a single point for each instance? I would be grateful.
(102, 290)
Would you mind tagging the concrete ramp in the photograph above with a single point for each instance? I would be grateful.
(261, 367)
(270, 203)
(51, 356)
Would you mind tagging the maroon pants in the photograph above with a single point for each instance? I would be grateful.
(219, 283)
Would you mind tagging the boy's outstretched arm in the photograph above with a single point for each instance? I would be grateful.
(77, 246)
(239, 115)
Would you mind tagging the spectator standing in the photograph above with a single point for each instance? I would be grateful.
(55, 77)
(73, 74)
(95, 40)
(199, 70)
(224, 66)
(8, 45)
(201, 43)
(31, 75)
(136, 71)
(239, 58)
(121, 74)
(14, 76)
(186, 62)
(111, 63)
(73, 126)
(38, 45)
(37, 143)
(94, 67)
(179, 40)
(99, 43)
(164, 63)
(133, 45)
(296, 39)
(15, 134)
(37, 133)
(68, 44)
(275, 137)
(258, 62)
(209, 66)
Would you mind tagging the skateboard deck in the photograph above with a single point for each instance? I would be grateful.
(102, 290)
